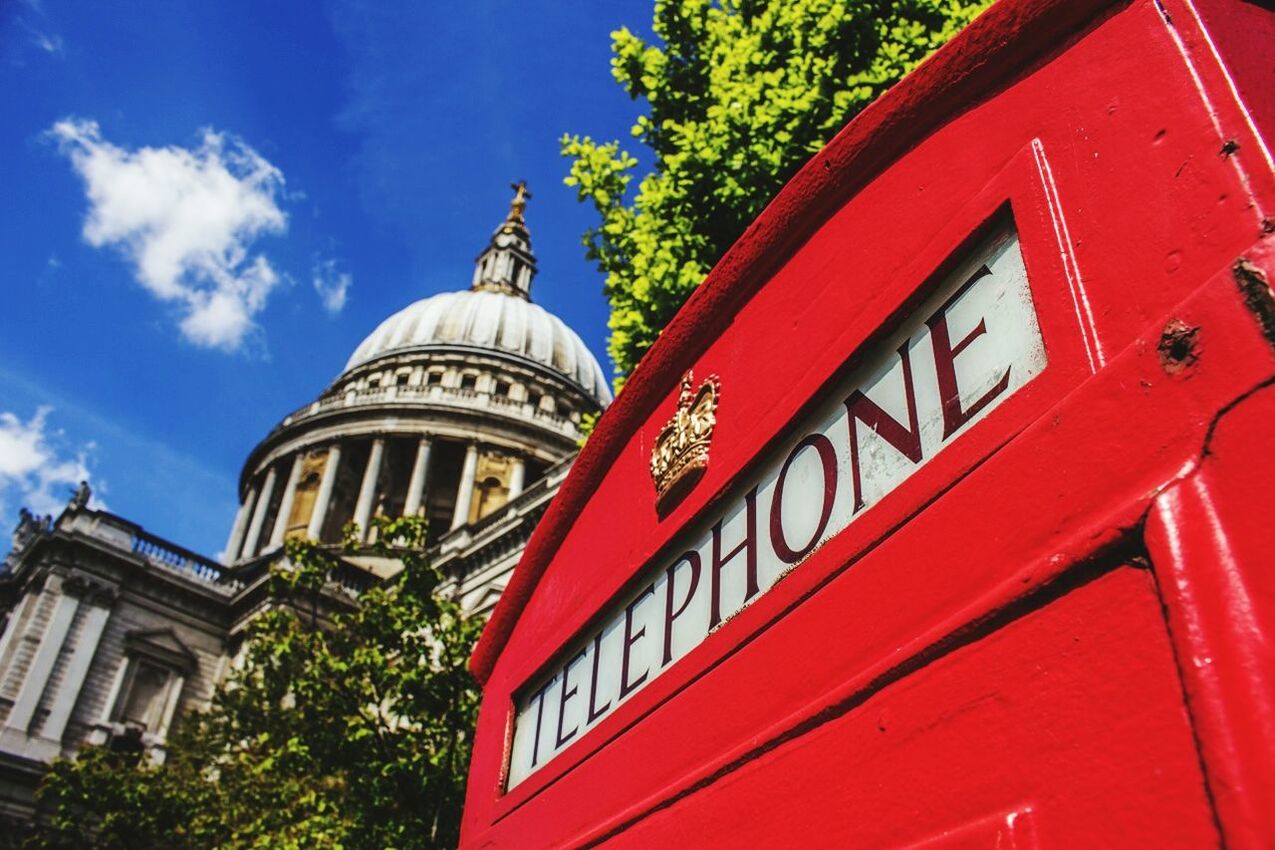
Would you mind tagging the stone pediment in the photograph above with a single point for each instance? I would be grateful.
(161, 645)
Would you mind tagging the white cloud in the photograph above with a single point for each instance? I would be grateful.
(48, 42)
(333, 286)
(36, 472)
(34, 29)
(186, 219)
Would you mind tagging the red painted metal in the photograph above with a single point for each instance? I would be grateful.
(1211, 539)
(1056, 633)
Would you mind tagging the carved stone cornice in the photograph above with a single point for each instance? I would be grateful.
(89, 590)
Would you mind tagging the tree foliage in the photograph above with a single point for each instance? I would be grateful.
(738, 94)
(355, 735)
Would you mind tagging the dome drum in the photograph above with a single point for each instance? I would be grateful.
(469, 373)
(449, 482)
(544, 417)
(337, 429)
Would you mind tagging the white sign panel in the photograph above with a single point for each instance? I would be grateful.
(972, 345)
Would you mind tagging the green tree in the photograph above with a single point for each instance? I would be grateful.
(739, 93)
(353, 733)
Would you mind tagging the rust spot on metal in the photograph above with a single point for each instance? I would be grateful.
(1179, 348)
(1258, 297)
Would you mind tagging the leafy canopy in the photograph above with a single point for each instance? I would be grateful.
(355, 735)
(739, 94)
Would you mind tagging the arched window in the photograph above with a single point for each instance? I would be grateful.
(489, 495)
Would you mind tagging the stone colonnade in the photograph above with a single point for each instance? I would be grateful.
(263, 506)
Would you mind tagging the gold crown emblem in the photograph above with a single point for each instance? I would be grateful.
(680, 455)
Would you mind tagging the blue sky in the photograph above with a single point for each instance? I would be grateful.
(205, 206)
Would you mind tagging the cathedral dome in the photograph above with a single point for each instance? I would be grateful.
(490, 319)
(449, 410)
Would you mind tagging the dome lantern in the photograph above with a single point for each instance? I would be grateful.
(507, 264)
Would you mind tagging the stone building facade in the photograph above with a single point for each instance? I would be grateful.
(464, 408)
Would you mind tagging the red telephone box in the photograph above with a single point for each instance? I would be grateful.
(941, 515)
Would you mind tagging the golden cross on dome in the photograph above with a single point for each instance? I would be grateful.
(521, 196)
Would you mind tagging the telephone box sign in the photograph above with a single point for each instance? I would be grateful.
(972, 344)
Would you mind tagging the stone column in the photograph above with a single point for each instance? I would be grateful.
(77, 669)
(367, 492)
(416, 485)
(517, 478)
(42, 664)
(259, 515)
(465, 493)
(324, 497)
(235, 543)
(285, 506)
(113, 695)
(171, 699)
(16, 619)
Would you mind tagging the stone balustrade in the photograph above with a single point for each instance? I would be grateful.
(437, 395)
(119, 533)
(352, 579)
(164, 554)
